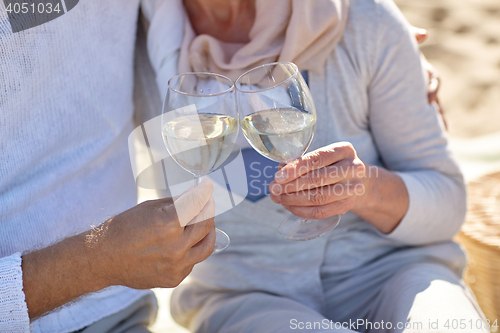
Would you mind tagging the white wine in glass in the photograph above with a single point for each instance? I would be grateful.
(200, 126)
(281, 134)
(200, 143)
(279, 121)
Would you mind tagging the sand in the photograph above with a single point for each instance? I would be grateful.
(464, 46)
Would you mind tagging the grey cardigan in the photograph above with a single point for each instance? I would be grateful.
(373, 94)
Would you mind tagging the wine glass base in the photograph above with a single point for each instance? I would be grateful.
(221, 241)
(298, 229)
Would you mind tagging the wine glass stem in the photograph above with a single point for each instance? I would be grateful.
(222, 239)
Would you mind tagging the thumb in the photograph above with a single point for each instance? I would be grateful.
(192, 202)
(207, 213)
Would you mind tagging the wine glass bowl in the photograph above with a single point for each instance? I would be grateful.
(200, 125)
(279, 119)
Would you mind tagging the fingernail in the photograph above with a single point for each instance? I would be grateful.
(280, 176)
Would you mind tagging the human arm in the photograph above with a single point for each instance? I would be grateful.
(333, 180)
(142, 248)
(410, 141)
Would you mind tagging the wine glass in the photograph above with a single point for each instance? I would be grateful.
(279, 121)
(200, 126)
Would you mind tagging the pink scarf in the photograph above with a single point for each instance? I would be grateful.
(304, 32)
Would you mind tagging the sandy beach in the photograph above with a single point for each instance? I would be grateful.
(464, 46)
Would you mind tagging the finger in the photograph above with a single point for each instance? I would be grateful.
(442, 113)
(432, 97)
(206, 213)
(332, 174)
(190, 203)
(323, 195)
(200, 226)
(433, 83)
(314, 160)
(321, 212)
(203, 249)
(432, 91)
(431, 71)
(420, 34)
(433, 78)
(275, 198)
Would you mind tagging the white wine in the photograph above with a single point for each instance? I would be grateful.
(281, 135)
(200, 142)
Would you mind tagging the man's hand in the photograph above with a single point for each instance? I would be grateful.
(333, 180)
(144, 247)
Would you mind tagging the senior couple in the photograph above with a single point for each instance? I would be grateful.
(78, 255)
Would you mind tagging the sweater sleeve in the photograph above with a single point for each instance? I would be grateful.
(13, 309)
(410, 135)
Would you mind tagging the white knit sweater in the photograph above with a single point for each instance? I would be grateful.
(65, 114)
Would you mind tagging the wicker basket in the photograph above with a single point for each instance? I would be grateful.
(481, 237)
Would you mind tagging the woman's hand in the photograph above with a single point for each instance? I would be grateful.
(328, 181)
(333, 180)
